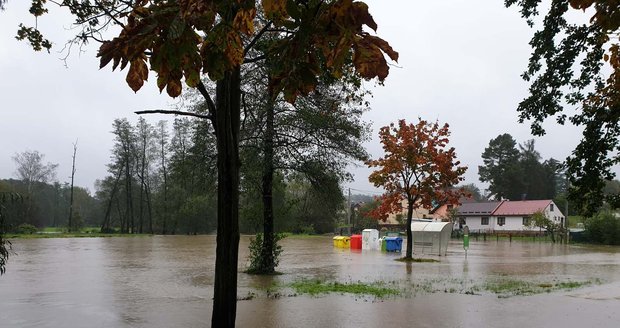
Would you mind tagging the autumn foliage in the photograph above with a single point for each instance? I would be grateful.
(417, 168)
(188, 37)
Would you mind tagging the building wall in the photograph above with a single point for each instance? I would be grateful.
(419, 213)
(513, 223)
(475, 223)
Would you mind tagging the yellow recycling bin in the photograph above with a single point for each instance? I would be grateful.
(342, 241)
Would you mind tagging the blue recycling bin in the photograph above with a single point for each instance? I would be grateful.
(393, 244)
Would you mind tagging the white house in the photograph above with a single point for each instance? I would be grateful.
(506, 215)
(477, 216)
(515, 215)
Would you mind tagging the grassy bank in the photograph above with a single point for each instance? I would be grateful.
(60, 232)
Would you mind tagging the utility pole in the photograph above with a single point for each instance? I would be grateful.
(349, 209)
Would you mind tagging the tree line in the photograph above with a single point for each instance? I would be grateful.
(162, 179)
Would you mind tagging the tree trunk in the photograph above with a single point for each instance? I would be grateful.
(129, 219)
(227, 119)
(106, 220)
(71, 197)
(409, 253)
(149, 207)
(267, 264)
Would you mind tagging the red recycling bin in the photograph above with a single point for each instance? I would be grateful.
(356, 242)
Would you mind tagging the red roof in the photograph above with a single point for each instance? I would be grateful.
(522, 207)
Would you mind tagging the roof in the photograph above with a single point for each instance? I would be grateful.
(522, 207)
(482, 208)
(431, 226)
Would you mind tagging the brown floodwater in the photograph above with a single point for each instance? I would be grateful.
(167, 281)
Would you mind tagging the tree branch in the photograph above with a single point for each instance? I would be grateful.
(174, 112)
(255, 59)
(256, 38)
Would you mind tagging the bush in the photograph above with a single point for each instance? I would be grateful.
(604, 228)
(106, 230)
(259, 265)
(26, 229)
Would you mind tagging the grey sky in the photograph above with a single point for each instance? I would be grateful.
(460, 63)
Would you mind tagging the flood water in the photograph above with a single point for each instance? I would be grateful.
(167, 281)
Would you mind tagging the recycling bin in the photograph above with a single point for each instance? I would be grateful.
(356, 242)
(341, 241)
(393, 244)
(382, 243)
(370, 239)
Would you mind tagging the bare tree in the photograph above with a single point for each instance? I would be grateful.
(71, 197)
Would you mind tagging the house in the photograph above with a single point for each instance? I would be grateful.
(515, 215)
(478, 216)
(400, 218)
(506, 215)
(439, 213)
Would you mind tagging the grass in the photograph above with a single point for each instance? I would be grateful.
(69, 235)
(316, 287)
(416, 260)
(513, 287)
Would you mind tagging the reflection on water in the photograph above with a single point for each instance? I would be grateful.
(166, 281)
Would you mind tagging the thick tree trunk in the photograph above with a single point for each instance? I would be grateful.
(409, 253)
(227, 121)
(267, 264)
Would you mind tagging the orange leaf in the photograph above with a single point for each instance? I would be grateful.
(138, 73)
(275, 9)
(244, 20)
(174, 88)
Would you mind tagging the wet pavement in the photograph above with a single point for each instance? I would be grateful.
(167, 281)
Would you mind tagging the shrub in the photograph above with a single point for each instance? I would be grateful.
(258, 264)
(26, 229)
(603, 228)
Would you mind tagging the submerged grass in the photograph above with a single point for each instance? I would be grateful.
(513, 287)
(416, 260)
(316, 287)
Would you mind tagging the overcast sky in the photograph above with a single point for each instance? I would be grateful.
(460, 63)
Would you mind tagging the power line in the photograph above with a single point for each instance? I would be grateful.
(368, 191)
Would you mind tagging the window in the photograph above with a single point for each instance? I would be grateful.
(526, 221)
(501, 221)
(462, 220)
(450, 207)
(484, 220)
(551, 207)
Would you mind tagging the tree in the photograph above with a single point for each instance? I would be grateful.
(501, 168)
(5, 245)
(70, 222)
(417, 168)
(473, 192)
(577, 65)
(162, 138)
(538, 181)
(32, 171)
(181, 39)
(540, 220)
